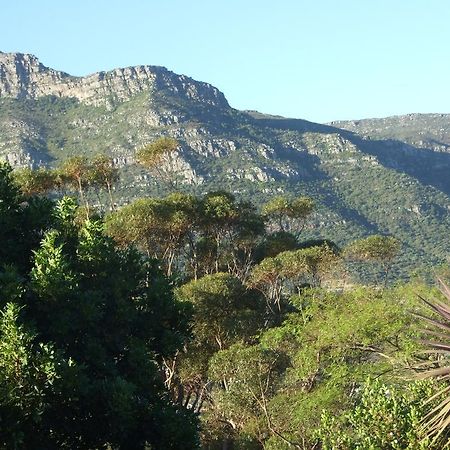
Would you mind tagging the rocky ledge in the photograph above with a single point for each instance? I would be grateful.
(24, 76)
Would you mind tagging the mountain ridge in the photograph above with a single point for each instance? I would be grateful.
(24, 76)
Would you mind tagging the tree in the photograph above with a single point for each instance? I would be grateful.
(75, 172)
(136, 224)
(333, 342)
(379, 249)
(179, 214)
(234, 227)
(309, 265)
(159, 159)
(160, 227)
(104, 175)
(288, 215)
(22, 221)
(386, 416)
(224, 312)
(268, 279)
(247, 378)
(28, 372)
(208, 235)
(292, 270)
(275, 243)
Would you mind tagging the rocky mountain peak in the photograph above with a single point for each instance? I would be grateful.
(24, 76)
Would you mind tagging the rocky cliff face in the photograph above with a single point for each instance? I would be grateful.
(23, 76)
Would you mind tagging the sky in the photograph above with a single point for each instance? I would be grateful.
(320, 60)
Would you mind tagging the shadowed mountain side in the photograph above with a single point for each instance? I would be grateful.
(283, 123)
(428, 165)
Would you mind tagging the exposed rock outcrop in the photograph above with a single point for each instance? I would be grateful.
(23, 76)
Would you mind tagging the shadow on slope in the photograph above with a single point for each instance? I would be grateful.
(427, 166)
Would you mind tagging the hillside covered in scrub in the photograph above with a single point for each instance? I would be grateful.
(381, 176)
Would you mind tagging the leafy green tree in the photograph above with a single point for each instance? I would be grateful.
(268, 279)
(288, 215)
(28, 372)
(159, 159)
(224, 312)
(75, 172)
(10, 212)
(246, 378)
(180, 216)
(208, 235)
(378, 249)
(219, 215)
(163, 228)
(290, 271)
(104, 319)
(327, 346)
(310, 265)
(104, 175)
(234, 227)
(22, 222)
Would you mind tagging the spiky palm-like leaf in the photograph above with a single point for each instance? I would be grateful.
(437, 422)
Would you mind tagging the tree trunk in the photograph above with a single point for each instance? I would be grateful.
(108, 185)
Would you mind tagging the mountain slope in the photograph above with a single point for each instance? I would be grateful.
(366, 176)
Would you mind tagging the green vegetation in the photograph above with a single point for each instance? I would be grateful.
(158, 158)
(85, 327)
(220, 279)
(391, 179)
(205, 322)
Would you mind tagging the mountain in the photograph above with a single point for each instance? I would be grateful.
(369, 176)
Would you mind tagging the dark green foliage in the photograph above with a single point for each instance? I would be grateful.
(276, 243)
(22, 222)
(28, 373)
(83, 337)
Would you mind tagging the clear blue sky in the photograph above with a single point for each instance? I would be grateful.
(320, 60)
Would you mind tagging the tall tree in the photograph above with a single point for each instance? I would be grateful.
(288, 215)
(159, 158)
(104, 175)
(224, 312)
(377, 249)
(76, 171)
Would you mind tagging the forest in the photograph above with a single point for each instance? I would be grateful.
(206, 321)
